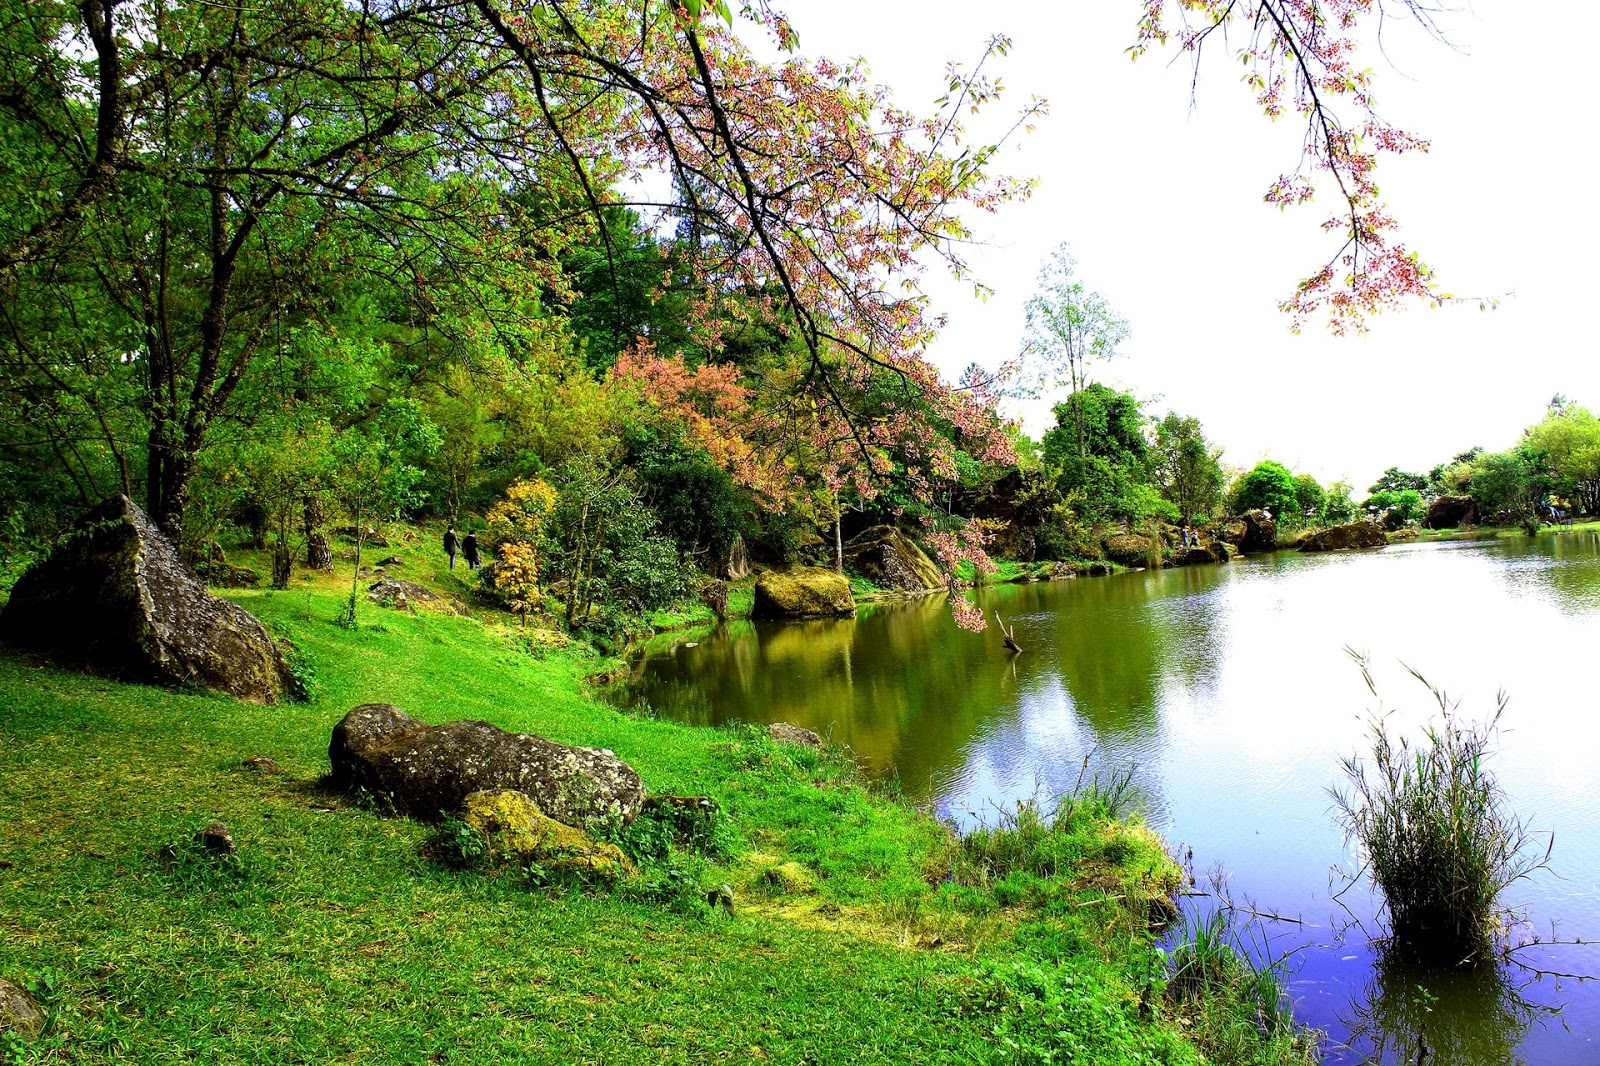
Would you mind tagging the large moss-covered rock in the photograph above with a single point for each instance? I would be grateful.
(1341, 538)
(891, 560)
(1130, 549)
(114, 596)
(1451, 512)
(1216, 551)
(514, 827)
(428, 771)
(1260, 532)
(804, 592)
(1227, 530)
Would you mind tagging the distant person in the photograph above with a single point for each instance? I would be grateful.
(450, 545)
(469, 551)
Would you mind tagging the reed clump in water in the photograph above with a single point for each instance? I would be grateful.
(1440, 841)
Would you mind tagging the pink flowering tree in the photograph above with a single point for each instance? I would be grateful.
(1300, 58)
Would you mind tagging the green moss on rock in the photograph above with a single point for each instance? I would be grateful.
(514, 827)
(805, 592)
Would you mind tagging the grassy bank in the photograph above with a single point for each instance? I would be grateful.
(863, 931)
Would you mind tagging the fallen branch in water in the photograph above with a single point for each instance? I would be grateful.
(1009, 633)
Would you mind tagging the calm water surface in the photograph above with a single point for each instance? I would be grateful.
(1229, 692)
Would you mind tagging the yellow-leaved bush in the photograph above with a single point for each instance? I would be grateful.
(517, 524)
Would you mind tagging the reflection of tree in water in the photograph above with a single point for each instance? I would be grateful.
(1563, 566)
(1115, 643)
(913, 695)
(902, 686)
(1470, 1017)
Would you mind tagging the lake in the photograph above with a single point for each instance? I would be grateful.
(1229, 692)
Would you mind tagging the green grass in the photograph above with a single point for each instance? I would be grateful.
(860, 934)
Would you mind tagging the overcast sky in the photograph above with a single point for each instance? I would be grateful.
(1162, 206)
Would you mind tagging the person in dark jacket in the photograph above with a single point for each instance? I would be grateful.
(450, 545)
(469, 551)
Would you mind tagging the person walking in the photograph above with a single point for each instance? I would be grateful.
(450, 545)
(469, 551)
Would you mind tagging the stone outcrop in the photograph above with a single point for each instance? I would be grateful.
(785, 733)
(114, 596)
(891, 560)
(1340, 538)
(804, 592)
(19, 1014)
(1130, 549)
(735, 562)
(515, 828)
(406, 595)
(1215, 551)
(1260, 532)
(1451, 512)
(1227, 530)
(429, 771)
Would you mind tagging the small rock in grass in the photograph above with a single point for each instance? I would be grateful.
(790, 879)
(217, 840)
(19, 1014)
(793, 734)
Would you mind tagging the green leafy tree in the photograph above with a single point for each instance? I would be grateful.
(1067, 327)
(1339, 508)
(602, 543)
(375, 471)
(1267, 485)
(1186, 469)
(1099, 456)
(1511, 481)
(1311, 499)
(1396, 480)
(1407, 505)
(1570, 437)
(1450, 478)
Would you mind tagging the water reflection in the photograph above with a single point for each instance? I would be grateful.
(1396, 1018)
(1228, 691)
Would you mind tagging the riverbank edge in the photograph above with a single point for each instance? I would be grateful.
(885, 881)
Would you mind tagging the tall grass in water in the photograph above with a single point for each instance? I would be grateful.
(1440, 842)
(1229, 990)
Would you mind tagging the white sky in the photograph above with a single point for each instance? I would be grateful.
(1163, 208)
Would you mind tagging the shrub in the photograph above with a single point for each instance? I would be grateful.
(1267, 484)
(1440, 843)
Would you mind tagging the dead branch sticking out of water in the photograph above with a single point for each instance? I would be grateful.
(1008, 633)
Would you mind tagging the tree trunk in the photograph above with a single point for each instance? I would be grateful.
(319, 553)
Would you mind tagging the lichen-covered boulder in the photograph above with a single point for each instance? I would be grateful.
(785, 733)
(19, 1014)
(890, 559)
(804, 592)
(1260, 532)
(734, 563)
(1341, 538)
(428, 771)
(1228, 530)
(1130, 549)
(1217, 551)
(514, 827)
(406, 595)
(114, 596)
(1451, 512)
